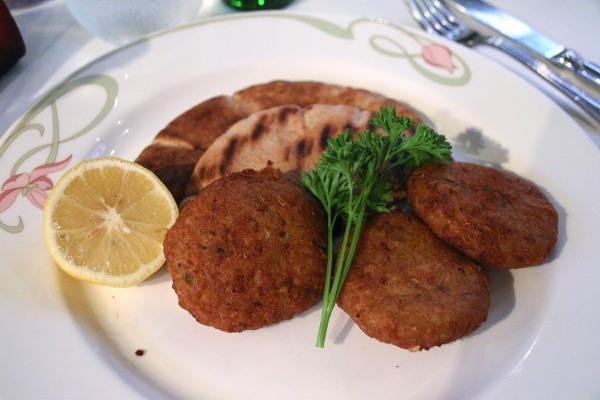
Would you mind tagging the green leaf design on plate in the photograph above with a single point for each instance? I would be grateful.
(435, 61)
(35, 184)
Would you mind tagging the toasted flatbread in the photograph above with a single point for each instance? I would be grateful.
(177, 148)
(290, 138)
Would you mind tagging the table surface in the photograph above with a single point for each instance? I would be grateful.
(57, 45)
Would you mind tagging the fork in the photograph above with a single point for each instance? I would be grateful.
(437, 19)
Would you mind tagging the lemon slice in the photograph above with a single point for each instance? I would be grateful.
(105, 220)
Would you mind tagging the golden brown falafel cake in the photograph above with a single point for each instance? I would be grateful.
(248, 251)
(498, 219)
(408, 288)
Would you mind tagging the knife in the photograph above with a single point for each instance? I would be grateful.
(507, 26)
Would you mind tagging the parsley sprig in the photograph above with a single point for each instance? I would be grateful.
(351, 181)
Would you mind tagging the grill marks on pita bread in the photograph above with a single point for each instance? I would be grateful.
(290, 138)
(176, 149)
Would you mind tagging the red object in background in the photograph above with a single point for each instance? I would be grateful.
(11, 43)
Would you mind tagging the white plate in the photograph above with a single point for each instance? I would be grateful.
(61, 338)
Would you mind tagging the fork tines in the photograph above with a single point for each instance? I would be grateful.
(437, 19)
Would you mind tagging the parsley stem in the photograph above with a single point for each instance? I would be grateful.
(328, 301)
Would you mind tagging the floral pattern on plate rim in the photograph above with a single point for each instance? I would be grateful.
(35, 185)
(435, 61)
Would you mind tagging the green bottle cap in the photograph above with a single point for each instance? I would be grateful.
(250, 5)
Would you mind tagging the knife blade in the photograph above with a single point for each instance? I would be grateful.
(501, 23)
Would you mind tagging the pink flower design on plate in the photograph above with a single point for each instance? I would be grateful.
(438, 56)
(34, 186)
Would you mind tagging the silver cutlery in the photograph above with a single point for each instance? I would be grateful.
(504, 24)
(437, 19)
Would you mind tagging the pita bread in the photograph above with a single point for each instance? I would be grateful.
(177, 148)
(290, 138)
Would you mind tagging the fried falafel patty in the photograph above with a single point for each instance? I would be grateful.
(248, 251)
(496, 218)
(408, 288)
